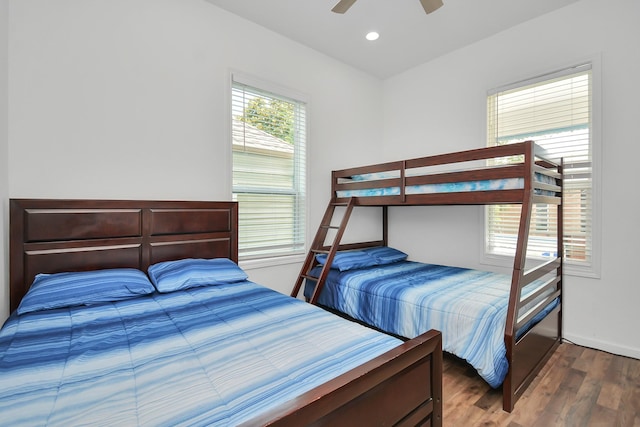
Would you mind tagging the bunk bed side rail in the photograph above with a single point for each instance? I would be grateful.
(392, 183)
(439, 159)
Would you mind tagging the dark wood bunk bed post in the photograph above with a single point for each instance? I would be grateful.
(527, 354)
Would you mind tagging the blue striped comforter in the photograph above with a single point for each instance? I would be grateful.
(449, 187)
(216, 355)
(468, 307)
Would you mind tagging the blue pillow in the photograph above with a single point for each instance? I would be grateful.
(348, 260)
(187, 273)
(70, 289)
(386, 255)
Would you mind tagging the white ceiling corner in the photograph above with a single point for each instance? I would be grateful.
(408, 36)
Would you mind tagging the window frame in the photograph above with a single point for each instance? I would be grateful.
(238, 77)
(593, 269)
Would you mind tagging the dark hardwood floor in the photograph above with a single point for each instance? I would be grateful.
(577, 387)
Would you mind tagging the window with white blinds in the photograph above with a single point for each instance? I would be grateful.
(269, 171)
(556, 112)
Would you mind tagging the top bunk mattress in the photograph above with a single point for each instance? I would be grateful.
(448, 187)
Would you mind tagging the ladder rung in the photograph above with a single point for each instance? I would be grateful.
(319, 241)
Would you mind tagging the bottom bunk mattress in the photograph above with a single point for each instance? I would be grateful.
(214, 355)
(407, 298)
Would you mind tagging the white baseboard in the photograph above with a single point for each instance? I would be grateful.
(603, 345)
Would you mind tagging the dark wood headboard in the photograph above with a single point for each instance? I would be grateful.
(52, 236)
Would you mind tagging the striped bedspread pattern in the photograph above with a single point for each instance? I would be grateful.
(450, 187)
(215, 355)
(407, 298)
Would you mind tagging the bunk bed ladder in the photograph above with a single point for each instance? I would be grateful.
(319, 247)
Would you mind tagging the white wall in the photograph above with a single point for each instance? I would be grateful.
(440, 106)
(128, 100)
(121, 99)
(4, 163)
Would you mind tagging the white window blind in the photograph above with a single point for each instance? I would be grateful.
(269, 171)
(556, 112)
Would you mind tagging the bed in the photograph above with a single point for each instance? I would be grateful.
(405, 298)
(525, 305)
(139, 315)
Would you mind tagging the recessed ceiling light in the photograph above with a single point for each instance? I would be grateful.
(371, 36)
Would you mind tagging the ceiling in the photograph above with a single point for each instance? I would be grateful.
(408, 36)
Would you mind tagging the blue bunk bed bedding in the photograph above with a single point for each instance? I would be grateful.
(212, 355)
(406, 298)
(451, 187)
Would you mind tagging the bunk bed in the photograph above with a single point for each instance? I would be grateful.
(529, 320)
(139, 314)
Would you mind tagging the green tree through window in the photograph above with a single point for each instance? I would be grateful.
(272, 116)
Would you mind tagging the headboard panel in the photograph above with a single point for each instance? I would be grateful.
(51, 236)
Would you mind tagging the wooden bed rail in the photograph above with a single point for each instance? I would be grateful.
(398, 176)
(387, 391)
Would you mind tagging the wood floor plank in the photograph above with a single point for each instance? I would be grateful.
(585, 361)
(566, 388)
(602, 417)
(618, 369)
(578, 412)
(577, 387)
(610, 395)
(600, 364)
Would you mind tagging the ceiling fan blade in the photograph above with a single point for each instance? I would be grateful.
(431, 5)
(343, 6)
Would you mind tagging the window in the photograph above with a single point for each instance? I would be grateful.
(555, 111)
(269, 173)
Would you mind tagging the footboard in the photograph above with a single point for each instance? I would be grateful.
(402, 387)
(529, 354)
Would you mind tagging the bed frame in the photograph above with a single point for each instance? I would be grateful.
(49, 236)
(525, 355)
